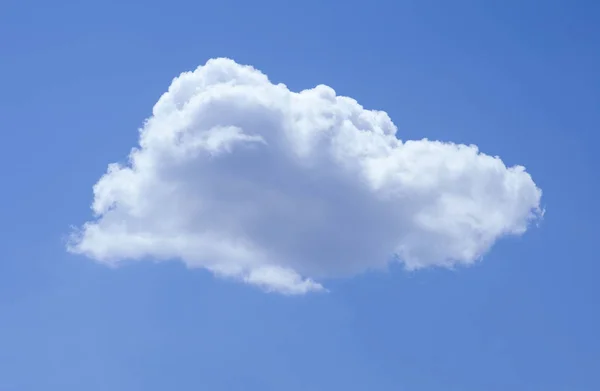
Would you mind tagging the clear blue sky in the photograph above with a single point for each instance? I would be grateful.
(517, 78)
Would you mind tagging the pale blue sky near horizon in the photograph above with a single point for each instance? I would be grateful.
(517, 79)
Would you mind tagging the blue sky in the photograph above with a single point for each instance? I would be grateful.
(516, 79)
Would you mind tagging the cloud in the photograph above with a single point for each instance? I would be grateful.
(284, 189)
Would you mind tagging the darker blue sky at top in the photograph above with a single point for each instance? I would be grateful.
(519, 79)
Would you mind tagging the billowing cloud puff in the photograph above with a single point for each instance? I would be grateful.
(283, 189)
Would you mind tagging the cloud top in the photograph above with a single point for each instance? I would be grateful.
(283, 189)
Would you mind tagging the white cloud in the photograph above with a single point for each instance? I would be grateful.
(283, 189)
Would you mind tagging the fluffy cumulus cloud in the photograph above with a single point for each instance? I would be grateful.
(283, 189)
